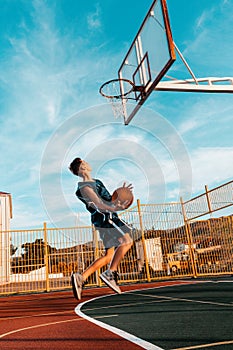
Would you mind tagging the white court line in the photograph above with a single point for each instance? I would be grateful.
(183, 299)
(144, 344)
(205, 345)
(37, 326)
(35, 315)
(128, 304)
(130, 337)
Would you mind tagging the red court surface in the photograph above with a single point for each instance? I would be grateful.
(48, 321)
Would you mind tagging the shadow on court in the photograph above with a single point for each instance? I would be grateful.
(184, 316)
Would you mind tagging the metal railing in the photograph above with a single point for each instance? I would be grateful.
(170, 241)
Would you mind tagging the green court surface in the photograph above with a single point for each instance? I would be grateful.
(188, 316)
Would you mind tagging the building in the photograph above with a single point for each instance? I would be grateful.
(5, 216)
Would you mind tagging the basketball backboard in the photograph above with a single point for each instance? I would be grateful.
(149, 57)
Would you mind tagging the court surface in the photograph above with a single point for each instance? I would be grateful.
(182, 316)
(187, 314)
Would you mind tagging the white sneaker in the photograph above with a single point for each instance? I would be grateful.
(108, 278)
(77, 284)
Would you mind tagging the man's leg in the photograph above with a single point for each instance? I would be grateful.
(98, 263)
(78, 279)
(109, 275)
(121, 251)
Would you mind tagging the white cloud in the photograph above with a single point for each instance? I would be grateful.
(203, 116)
(211, 166)
(206, 50)
(42, 78)
(48, 74)
(206, 16)
(93, 19)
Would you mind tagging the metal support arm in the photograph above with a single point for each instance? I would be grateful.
(213, 84)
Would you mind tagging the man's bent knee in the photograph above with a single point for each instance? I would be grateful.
(126, 239)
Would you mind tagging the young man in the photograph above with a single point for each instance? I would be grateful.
(113, 231)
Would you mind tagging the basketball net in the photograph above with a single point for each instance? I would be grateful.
(118, 106)
(116, 92)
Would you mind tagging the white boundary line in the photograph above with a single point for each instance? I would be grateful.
(130, 337)
(183, 299)
(31, 316)
(36, 326)
(202, 346)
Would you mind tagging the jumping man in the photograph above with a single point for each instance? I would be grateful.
(113, 231)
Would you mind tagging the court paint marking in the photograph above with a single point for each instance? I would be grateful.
(140, 342)
(38, 326)
(166, 299)
(35, 315)
(130, 337)
(183, 299)
(128, 304)
(107, 316)
(224, 281)
(205, 345)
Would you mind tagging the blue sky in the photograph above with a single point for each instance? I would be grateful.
(55, 54)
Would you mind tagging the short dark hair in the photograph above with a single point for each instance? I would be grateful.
(74, 166)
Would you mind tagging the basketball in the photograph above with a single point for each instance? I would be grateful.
(123, 194)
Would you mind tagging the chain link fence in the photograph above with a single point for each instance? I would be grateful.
(170, 241)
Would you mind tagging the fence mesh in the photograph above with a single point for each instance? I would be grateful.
(169, 242)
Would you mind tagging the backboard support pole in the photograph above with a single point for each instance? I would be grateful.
(185, 62)
(209, 85)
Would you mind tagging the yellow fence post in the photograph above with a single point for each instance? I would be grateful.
(190, 239)
(143, 241)
(96, 252)
(208, 199)
(46, 258)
